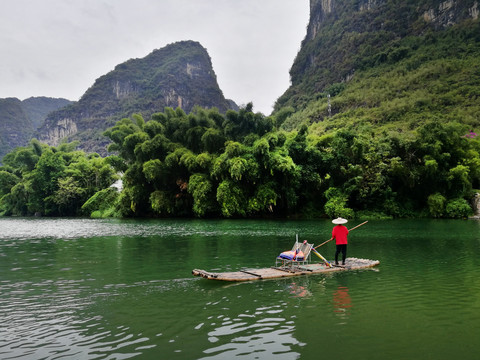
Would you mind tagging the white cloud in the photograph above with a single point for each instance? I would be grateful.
(59, 47)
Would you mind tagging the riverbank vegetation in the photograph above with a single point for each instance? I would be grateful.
(242, 164)
(52, 181)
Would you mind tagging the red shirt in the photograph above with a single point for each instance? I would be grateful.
(339, 233)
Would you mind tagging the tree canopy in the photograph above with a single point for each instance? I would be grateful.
(241, 164)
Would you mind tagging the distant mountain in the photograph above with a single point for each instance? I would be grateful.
(387, 63)
(178, 75)
(37, 108)
(19, 119)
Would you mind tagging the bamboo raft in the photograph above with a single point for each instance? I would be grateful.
(285, 271)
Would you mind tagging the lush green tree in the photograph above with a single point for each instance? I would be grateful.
(231, 199)
(458, 208)
(264, 199)
(42, 182)
(69, 196)
(7, 181)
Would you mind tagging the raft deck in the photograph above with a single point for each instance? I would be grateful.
(288, 271)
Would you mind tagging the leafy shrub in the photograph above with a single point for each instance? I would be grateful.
(336, 207)
(96, 214)
(436, 204)
(458, 208)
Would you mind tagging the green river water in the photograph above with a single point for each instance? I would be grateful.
(119, 289)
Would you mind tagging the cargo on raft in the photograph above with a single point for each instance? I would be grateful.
(275, 272)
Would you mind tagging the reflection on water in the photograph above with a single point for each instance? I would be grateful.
(342, 302)
(112, 289)
(297, 290)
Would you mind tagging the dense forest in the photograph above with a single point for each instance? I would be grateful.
(242, 164)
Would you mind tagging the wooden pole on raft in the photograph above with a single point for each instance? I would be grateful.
(332, 237)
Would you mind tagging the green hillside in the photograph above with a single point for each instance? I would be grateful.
(435, 77)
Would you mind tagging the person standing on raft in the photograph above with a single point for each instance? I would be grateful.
(340, 234)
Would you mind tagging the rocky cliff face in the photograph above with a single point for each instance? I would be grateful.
(448, 13)
(437, 13)
(178, 75)
(476, 206)
(342, 32)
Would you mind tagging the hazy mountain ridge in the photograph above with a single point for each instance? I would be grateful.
(19, 119)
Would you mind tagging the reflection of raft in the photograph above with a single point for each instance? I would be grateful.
(279, 272)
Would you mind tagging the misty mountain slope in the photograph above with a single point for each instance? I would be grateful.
(19, 119)
(178, 75)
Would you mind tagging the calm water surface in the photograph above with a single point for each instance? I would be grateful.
(119, 289)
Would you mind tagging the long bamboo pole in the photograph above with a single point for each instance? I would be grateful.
(332, 237)
(358, 226)
(321, 257)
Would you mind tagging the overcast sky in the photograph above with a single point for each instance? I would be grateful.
(58, 48)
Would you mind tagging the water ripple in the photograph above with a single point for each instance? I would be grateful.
(48, 320)
(255, 335)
